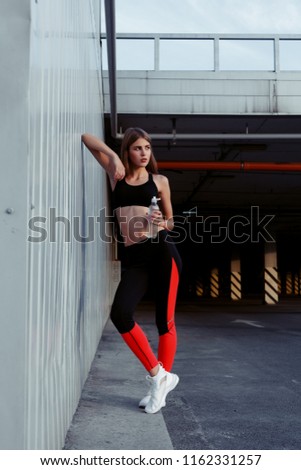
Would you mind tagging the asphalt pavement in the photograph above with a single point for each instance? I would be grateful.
(240, 383)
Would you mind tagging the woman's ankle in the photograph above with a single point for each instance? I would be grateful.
(153, 372)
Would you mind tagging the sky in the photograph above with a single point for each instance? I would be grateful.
(208, 16)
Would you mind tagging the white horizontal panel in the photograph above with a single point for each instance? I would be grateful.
(193, 104)
(289, 88)
(170, 86)
(290, 104)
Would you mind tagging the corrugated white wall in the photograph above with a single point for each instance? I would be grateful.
(63, 286)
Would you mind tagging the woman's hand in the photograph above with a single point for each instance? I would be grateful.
(156, 218)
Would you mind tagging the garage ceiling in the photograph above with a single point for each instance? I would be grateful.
(228, 193)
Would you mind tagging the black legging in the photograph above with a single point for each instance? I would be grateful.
(153, 262)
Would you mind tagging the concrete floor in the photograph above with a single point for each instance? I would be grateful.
(240, 383)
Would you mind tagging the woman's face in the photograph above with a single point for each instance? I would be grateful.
(140, 152)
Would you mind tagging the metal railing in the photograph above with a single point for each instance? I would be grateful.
(207, 52)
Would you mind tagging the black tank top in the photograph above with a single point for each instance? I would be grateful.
(125, 194)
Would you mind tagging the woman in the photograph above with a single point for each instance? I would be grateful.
(135, 181)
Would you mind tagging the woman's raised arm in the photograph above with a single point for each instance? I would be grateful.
(106, 157)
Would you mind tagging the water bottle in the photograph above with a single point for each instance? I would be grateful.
(153, 228)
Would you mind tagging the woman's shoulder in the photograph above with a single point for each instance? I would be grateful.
(160, 180)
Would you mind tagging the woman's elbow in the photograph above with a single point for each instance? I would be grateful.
(170, 224)
(84, 138)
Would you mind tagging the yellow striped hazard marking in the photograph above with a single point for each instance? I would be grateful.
(271, 295)
(235, 285)
(214, 283)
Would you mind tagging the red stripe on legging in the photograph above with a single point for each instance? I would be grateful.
(138, 343)
(168, 341)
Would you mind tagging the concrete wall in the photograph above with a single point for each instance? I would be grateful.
(56, 289)
(206, 92)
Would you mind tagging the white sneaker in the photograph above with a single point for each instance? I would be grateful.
(144, 401)
(161, 384)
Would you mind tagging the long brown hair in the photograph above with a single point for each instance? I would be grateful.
(130, 136)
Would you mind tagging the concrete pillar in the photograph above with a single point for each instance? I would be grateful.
(279, 284)
(235, 278)
(296, 284)
(271, 295)
(289, 283)
(214, 283)
(199, 288)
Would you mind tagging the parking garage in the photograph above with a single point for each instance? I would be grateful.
(228, 139)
